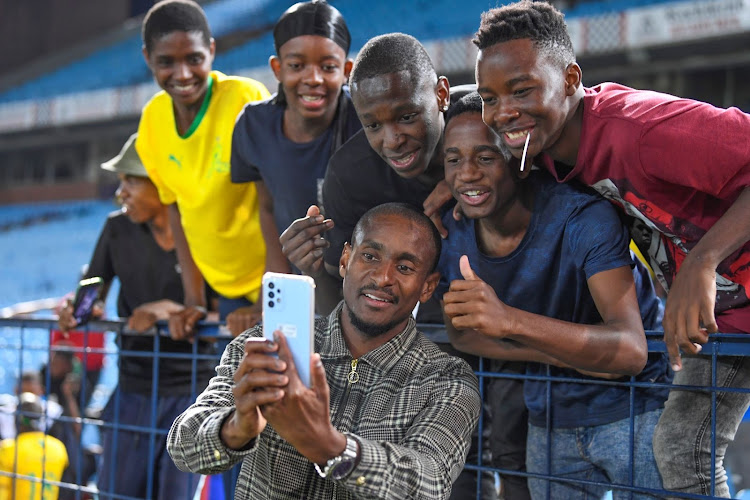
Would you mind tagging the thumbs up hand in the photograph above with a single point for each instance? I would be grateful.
(471, 304)
(466, 271)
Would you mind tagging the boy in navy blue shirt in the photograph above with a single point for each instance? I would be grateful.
(540, 271)
(283, 143)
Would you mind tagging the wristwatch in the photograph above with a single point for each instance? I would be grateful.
(340, 467)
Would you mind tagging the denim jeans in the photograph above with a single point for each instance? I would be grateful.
(597, 453)
(682, 441)
(125, 453)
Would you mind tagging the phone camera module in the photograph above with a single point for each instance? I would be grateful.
(270, 303)
(271, 295)
(271, 285)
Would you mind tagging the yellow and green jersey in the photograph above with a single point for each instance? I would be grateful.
(220, 219)
(36, 456)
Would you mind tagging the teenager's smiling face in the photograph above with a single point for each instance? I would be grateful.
(181, 64)
(524, 91)
(402, 118)
(475, 168)
(311, 69)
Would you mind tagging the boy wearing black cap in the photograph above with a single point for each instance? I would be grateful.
(283, 143)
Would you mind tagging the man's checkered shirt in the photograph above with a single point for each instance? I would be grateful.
(413, 410)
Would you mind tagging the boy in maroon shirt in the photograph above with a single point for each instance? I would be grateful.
(679, 167)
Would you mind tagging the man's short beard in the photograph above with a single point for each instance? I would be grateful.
(371, 330)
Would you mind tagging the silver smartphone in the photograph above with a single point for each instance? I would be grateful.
(289, 306)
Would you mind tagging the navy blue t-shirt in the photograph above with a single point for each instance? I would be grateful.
(572, 236)
(293, 172)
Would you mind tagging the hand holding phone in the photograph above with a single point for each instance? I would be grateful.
(289, 306)
(88, 292)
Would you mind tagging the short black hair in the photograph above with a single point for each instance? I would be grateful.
(393, 53)
(470, 103)
(536, 20)
(313, 17)
(410, 213)
(168, 16)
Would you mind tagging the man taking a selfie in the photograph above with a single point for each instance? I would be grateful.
(388, 415)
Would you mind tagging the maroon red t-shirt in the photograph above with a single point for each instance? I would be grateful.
(675, 166)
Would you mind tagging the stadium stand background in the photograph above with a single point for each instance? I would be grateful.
(72, 79)
(72, 83)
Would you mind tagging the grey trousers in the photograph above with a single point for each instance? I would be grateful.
(683, 439)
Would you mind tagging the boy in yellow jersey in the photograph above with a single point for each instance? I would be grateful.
(184, 141)
(33, 454)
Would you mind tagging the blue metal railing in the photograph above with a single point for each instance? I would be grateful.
(18, 335)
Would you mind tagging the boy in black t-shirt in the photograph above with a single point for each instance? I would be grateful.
(397, 157)
(136, 246)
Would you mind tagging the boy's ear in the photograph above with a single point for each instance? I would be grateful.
(430, 283)
(145, 56)
(275, 63)
(443, 93)
(573, 78)
(348, 64)
(344, 260)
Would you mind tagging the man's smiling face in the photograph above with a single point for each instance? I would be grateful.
(524, 91)
(402, 118)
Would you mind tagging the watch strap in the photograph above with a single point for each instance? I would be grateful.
(346, 460)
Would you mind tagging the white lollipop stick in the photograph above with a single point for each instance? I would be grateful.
(525, 148)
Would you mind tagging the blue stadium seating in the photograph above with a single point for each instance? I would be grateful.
(121, 64)
(43, 246)
(42, 249)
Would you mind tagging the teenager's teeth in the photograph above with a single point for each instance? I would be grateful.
(182, 87)
(517, 135)
(404, 160)
(473, 193)
(311, 98)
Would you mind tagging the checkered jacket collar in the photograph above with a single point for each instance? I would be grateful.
(331, 345)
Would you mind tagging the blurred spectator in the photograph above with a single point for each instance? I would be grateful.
(31, 381)
(136, 246)
(184, 141)
(64, 382)
(32, 453)
(65, 388)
